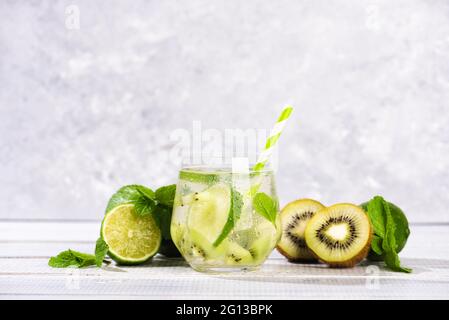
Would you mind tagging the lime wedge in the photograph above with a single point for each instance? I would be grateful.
(132, 239)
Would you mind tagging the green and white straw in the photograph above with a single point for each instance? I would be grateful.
(275, 133)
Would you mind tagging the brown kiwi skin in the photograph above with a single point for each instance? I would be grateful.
(350, 263)
(312, 259)
(298, 260)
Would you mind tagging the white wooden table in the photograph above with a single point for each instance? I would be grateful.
(26, 246)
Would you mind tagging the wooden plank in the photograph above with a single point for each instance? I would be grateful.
(41, 249)
(49, 231)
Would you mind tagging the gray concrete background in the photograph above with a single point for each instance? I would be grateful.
(84, 111)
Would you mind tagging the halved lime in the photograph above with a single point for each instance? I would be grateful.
(132, 239)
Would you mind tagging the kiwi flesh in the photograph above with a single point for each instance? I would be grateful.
(261, 248)
(339, 235)
(237, 255)
(294, 218)
(259, 241)
(197, 246)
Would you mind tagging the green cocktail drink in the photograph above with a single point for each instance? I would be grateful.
(225, 221)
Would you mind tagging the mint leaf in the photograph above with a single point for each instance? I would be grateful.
(265, 206)
(389, 242)
(144, 206)
(72, 258)
(234, 214)
(147, 192)
(376, 245)
(166, 195)
(63, 260)
(101, 249)
(376, 215)
(392, 261)
(402, 230)
(142, 197)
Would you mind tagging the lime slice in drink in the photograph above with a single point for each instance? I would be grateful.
(199, 177)
(209, 211)
(132, 239)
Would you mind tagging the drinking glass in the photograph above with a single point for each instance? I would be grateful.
(223, 220)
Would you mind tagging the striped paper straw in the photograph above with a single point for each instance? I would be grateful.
(273, 138)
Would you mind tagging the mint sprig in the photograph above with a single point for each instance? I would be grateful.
(72, 258)
(390, 232)
(101, 249)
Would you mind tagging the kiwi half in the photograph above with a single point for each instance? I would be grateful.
(294, 218)
(339, 235)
